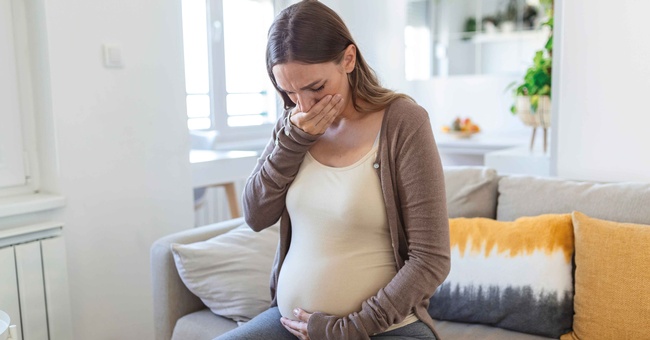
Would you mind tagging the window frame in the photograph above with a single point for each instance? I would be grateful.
(24, 104)
(228, 136)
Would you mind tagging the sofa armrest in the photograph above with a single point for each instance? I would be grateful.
(172, 300)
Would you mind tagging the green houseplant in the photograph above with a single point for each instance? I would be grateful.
(537, 80)
(533, 96)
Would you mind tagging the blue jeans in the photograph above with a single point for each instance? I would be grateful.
(267, 326)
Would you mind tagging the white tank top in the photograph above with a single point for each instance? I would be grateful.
(340, 253)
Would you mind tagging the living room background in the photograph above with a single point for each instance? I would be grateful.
(114, 142)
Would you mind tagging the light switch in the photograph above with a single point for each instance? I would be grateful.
(112, 56)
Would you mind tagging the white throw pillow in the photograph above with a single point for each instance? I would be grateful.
(230, 272)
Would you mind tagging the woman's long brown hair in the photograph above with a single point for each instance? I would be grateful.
(312, 33)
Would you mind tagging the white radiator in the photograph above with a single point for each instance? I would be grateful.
(34, 281)
(214, 205)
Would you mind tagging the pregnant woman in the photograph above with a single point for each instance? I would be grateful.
(354, 175)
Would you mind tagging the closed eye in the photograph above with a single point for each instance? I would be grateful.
(319, 89)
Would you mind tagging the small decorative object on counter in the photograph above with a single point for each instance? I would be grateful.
(461, 128)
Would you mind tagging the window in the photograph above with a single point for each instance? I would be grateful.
(12, 171)
(227, 85)
(417, 39)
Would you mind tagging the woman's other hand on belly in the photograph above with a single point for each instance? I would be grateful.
(297, 327)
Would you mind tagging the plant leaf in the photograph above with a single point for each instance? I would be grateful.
(549, 44)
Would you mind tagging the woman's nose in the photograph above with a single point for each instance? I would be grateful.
(305, 102)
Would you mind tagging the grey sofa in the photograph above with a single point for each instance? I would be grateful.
(471, 192)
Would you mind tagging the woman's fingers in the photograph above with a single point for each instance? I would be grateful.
(305, 120)
(297, 328)
(321, 105)
(302, 315)
(333, 107)
(336, 110)
(320, 116)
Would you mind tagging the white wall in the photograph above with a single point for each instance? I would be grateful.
(482, 98)
(377, 26)
(116, 146)
(603, 118)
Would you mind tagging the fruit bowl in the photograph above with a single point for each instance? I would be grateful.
(461, 134)
(461, 128)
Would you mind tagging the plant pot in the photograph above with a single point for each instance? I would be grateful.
(507, 26)
(538, 118)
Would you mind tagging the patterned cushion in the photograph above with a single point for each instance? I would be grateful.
(513, 275)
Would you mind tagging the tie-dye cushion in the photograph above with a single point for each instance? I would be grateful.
(612, 299)
(514, 275)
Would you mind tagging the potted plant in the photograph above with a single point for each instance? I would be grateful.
(508, 18)
(533, 96)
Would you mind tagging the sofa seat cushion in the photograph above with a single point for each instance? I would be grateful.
(205, 325)
(465, 331)
(202, 325)
(531, 196)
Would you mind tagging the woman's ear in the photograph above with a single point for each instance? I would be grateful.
(350, 58)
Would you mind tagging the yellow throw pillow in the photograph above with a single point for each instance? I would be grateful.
(612, 280)
(514, 275)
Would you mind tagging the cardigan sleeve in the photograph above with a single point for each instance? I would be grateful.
(421, 194)
(266, 188)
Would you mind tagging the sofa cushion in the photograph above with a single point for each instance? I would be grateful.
(532, 196)
(471, 191)
(449, 330)
(514, 275)
(612, 299)
(201, 325)
(230, 272)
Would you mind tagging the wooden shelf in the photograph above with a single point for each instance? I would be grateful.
(510, 36)
(483, 37)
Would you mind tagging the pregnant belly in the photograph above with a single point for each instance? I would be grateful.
(334, 284)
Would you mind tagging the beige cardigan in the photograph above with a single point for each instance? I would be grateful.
(412, 181)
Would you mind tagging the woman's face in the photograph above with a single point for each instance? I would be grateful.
(306, 84)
